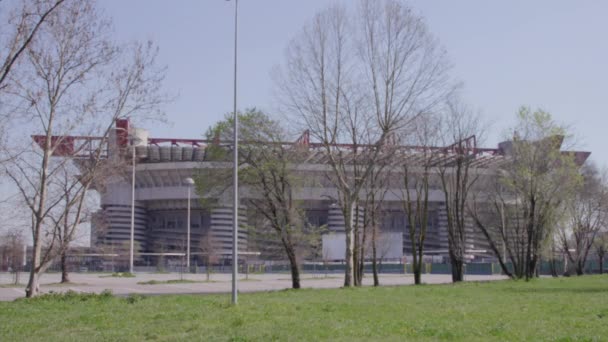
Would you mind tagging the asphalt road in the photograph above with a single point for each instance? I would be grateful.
(220, 283)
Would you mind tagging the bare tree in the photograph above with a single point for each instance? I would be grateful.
(75, 82)
(12, 253)
(23, 24)
(461, 129)
(416, 168)
(354, 78)
(499, 220)
(23, 21)
(601, 246)
(122, 251)
(417, 175)
(161, 248)
(209, 252)
(63, 221)
(386, 245)
(375, 192)
(77, 206)
(586, 212)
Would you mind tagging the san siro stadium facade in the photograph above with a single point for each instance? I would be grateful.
(161, 202)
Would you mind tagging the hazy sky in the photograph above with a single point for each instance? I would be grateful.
(550, 54)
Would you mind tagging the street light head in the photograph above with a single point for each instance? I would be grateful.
(189, 181)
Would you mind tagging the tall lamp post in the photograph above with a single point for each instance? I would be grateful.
(132, 140)
(189, 183)
(235, 168)
(132, 243)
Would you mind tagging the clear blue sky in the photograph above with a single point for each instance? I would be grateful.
(545, 53)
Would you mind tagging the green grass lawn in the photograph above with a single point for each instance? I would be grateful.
(565, 309)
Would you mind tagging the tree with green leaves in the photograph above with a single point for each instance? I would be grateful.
(523, 203)
(266, 171)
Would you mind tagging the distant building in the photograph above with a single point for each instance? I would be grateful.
(161, 202)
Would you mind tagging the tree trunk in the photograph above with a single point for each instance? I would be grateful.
(295, 275)
(374, 260)
(457, 259)
(552, 262)
(536, 264)
(530, 229)
(356, 258)
(580, 268)
(295, 270)
(502, 257)
(361, 271)
(64, 268)
(528, 262)
(33, 286)
(417, 272)
(16, 274)
(348, 272)
(601, 259)
(531, 268)
(553, 268)
(457, 270)
(359, 250)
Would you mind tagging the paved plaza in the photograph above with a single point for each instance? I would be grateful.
(220, 283)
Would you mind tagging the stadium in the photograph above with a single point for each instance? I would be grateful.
(161, 166)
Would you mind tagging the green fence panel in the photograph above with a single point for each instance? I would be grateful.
(441, 269)
(479, 268)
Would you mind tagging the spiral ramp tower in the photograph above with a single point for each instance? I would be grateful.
(116, 208)
(222, 226)
(335, 219)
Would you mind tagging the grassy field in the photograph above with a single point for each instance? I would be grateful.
(565, 309)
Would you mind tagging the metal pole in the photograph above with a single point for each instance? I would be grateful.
(132, 209)
(235, 216)
(188, 229)
(235, 180)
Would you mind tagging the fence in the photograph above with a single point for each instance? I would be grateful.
(545, 268)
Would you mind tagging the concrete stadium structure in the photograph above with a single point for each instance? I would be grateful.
(161, 201)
